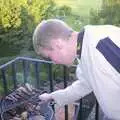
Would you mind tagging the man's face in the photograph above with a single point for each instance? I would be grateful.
(61, 52)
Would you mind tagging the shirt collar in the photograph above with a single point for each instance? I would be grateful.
(79, 42)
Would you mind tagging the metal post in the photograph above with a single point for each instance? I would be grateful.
(37, 75)
(66, 77)
(25, 70)
(80, 110)
(50, 77)
(4, 81)
(14, 75)
(97, 111)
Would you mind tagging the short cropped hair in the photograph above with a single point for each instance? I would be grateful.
(48, 30)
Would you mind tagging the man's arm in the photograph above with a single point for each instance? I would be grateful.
(77, 90)
(74, 92)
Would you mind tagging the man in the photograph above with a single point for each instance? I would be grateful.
(98, 70)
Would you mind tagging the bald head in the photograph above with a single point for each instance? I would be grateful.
(48, 30)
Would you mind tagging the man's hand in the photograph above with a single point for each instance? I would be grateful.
(46, 97)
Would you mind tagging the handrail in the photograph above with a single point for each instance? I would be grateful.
(29, 59)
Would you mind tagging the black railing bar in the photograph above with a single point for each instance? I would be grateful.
(54, 72)
(29, 59)
(14, 75)
(25, 70)
(66, 112)
(4, 81)
(66, 77)
(65, 73)
(8, 63)
(24, 58)
(36, 65)
(80, 115)
(50, 77)
(35, 60)
(97, 111)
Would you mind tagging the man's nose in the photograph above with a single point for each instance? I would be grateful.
(47, 59)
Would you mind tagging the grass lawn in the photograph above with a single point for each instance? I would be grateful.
(80, 7)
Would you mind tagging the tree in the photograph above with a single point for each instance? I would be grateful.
(108, 14)
(18, 20)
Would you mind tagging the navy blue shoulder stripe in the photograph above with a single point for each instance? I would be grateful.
(110, 51)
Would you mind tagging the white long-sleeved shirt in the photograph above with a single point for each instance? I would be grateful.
(95, 73)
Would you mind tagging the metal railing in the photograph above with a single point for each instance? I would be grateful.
(25, 62)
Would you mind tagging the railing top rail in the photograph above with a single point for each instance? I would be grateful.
(34, 60)
(8, 63)
(28, 59)
(24, 58)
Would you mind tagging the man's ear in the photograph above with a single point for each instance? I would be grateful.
(38, 51)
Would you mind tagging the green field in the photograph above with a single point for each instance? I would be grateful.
(80, 7)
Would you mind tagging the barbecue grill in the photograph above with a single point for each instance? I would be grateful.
(26, 97)
(25, 101)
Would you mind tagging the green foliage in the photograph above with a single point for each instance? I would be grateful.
(76, 22)
(108, 14)
(19, 18)
(9, 14)
(64, 11)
